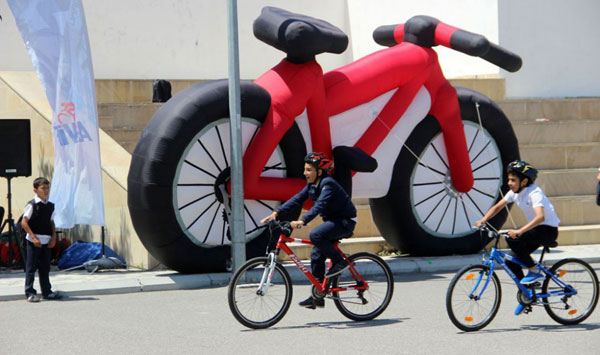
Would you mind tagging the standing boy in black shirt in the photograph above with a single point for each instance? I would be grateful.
(38, 222)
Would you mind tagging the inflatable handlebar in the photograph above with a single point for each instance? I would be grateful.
(427, 31)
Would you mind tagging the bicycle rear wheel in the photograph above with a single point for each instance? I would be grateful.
(361, 305)
(576, 308)
(468, 310)
(253, 309)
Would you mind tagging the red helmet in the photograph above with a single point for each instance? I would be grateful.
(319, 160)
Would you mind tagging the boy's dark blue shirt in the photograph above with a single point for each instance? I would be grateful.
(331, 201)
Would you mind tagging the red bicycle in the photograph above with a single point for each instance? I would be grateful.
(260, 292)
(441, 151)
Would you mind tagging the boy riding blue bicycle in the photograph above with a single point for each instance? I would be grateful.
(542, 222)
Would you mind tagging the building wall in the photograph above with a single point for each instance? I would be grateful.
(558, 43)
(470, 15)
(183, 39)
(187, 39)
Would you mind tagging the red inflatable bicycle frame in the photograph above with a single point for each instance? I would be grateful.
(296, 87)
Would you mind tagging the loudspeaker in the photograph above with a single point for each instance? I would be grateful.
(15, 148)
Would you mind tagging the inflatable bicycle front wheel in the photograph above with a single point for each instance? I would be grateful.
(422, 214)
(182, 158)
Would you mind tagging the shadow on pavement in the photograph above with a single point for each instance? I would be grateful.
(414, 277)
(563, 328)
(77, 298)
(342, 325)
(545, 327)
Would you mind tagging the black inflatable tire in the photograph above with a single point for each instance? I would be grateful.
(394, 214)
(155, 160)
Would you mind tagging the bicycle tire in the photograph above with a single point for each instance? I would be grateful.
(420, 215)
(378, 275)
(246, 279)
(468, 276)
(580, 275)
(186, 141)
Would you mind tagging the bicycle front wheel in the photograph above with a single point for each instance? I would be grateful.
(254, 305)
(364, 304)
(575, 308)
(471, 304)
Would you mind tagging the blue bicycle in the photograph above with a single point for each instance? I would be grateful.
(569, 292)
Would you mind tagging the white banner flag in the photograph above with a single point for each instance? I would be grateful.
(55, 34)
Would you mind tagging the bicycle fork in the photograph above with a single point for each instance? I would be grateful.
(267, 275)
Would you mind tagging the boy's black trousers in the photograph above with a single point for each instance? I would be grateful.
(37, 259)
(528, 242)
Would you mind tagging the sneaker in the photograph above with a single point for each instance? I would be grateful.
(53, 296)
(33, 298)
(337, 268)
(520, 308)
(312, 303)
(531, 277)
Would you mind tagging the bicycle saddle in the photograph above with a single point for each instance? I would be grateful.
(301, 37)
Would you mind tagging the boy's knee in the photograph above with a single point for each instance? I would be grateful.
(315, 236)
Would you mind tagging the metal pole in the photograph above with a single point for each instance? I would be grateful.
(11, 224)
(103, 251)
(236, 223)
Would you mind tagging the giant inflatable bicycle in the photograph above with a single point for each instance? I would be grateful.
(440, 150)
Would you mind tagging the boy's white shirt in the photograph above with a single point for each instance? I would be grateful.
(44, 239)
(530, 198)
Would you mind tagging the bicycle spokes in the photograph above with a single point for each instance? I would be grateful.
(260, 296)
(576, 284)
(473, 297)
(364, 290)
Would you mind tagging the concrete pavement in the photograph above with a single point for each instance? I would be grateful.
(80, 282)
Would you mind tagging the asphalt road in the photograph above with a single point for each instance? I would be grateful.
(199, 322)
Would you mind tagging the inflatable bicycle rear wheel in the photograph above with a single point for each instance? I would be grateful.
(182, 156)
(422, 214)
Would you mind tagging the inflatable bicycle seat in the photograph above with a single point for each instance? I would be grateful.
(300, 37)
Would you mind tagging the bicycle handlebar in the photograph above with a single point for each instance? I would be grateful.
(427, 31)
(284, 226)
(492, 233)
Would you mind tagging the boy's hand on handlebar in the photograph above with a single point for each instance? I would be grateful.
(479, 223)
(297, 224)
(513, 234)
(269, 217)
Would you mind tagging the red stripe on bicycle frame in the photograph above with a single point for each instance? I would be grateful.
(340, 289)
(303, 241)
(443, 34)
